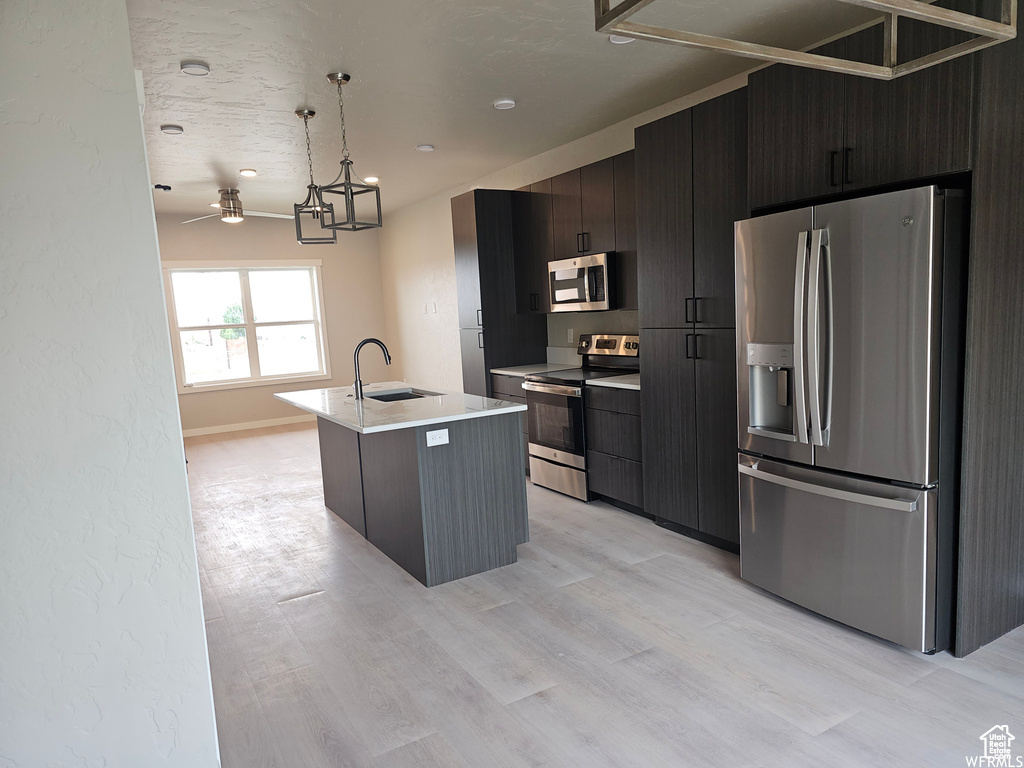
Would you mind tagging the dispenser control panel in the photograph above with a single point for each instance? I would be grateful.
(770, 355)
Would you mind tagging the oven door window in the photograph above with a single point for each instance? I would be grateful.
(556, 421)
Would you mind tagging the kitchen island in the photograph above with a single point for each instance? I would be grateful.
(434, 480)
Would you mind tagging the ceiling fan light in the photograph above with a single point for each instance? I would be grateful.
(230, 206)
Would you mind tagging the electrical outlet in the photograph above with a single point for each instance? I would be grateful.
(435, 307)
(424, 309)
(437, 437)
(569, 336)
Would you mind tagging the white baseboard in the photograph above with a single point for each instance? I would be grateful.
(246, 425)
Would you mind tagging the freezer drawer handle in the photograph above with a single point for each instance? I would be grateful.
(832, 493)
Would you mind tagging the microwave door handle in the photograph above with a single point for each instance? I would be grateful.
(815, 378)
(588, 275)
(799, 326)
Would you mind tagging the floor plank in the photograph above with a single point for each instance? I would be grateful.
(612, 642)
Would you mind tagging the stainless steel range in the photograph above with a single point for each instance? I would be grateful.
(556, 403)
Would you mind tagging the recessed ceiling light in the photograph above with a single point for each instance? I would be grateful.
(371, 179)
(504, 103)
(425, 148)
(247, 172)
(172, 130)
(194, 68)
(620, 39)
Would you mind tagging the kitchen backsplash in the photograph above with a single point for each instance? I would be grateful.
(615, 321)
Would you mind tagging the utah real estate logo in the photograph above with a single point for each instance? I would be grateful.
(998, 750)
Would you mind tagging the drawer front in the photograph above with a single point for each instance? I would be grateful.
(617, 434)
(507, 385)
(619, 479)
(608, 399)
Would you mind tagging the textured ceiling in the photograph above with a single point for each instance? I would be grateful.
(423, 71)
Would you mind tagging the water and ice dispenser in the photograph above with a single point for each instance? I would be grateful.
(770, 367)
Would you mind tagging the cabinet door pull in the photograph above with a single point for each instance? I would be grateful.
(698, 316)
(534, 302)
(586, 242)
(696, 346)
(480, 339)
(480, 317)
(691, 343)
(579, 242)
(689, 314)
(832, 157)
(846, 165)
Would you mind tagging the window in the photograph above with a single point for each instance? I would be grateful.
(235, 325)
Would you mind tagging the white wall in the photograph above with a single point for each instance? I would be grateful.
(102, 651)
(353, 308)
(417, 249)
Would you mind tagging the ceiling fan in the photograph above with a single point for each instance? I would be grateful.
(231, 209)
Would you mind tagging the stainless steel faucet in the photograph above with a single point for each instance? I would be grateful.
(355, 359)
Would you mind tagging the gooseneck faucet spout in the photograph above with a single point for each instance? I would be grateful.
(355, 359)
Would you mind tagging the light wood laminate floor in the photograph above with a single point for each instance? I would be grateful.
(610, 643)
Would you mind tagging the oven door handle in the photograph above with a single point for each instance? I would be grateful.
(552, 389)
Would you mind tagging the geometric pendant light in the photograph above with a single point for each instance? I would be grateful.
(312, 210)
(344, 187)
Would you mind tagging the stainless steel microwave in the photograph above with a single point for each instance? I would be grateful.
(580, 284)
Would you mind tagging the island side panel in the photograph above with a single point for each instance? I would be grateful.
(473, 495)
(340, 467)
(391, 495)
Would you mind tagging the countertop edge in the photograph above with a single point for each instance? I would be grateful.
(613, 384)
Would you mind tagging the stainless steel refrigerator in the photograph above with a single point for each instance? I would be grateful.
(848, 344)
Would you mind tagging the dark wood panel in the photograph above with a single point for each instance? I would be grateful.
(394, 515)
(795, 123)
(915, 126)
(664, 208)
(719, 200)
(566, 214)
(474, 362)
(597, 205)
(616, 478)
(717, 483)
(467, 263)
(991, 576)
(474, 496)
(543, 249)
(667, 417)
(609, 399)
(625, 231)
(533, 245)
(342, 472)
(617, 434)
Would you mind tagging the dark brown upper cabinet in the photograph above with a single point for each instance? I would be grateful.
(534, 247)
(719, 200)
(583, 210)
(795, 131)
(913, 127)
(816, 133)
(664, 220)
(625, 231)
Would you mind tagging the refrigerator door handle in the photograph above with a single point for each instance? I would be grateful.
(799, 324)
(815, 375)
(899, 505)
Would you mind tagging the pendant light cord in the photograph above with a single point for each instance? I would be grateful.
(341, 109)
(309, 154)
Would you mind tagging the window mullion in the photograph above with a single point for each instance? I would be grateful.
(250, 325)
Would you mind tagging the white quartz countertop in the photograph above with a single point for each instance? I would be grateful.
(368, 415)
(522, 370)
(629, 381)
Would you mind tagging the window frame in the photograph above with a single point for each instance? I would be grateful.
(249, 325)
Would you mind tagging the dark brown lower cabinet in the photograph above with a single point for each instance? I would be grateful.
(511, 388)
(689, 429)
(614, 446)
(668, 425)
(717, 484)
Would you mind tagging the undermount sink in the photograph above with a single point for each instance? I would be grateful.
(390, 397)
